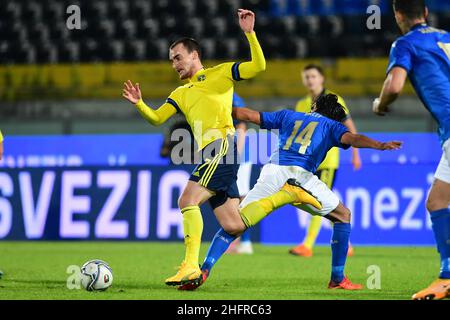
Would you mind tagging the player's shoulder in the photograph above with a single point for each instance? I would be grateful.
(304, 100)
(303, 105)
(229, 70)
(416, 36)
(223, 67)
(404, 41)
(283, 113)
(178, 93)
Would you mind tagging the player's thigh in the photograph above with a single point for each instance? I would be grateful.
(243, 178)
(443, 170)
(194, 195)
(270, 181)
(322, 193)
(228, 216)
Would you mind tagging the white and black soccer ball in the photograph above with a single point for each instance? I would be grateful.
(96, 275)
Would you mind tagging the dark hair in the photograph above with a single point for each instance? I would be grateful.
(189, 43)
(328, 106)
(314, 66)
(412, 9)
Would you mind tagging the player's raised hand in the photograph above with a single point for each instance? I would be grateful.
(132, 92)
(246, 20)
(391, 145)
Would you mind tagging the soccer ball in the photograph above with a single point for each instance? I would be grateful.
(96, 275)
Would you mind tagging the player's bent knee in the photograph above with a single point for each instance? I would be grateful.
(234, 229)
(185, 201)
(434, 204)
(343, 215)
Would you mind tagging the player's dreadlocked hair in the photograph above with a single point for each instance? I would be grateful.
(328, 106)
(412, 9)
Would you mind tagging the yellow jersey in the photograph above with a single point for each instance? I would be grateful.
(206, 100)
(331, 160)
(1, 137)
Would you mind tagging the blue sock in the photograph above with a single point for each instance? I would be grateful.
(441, 227)
(217, 248)
(245, 237)
(339, 248)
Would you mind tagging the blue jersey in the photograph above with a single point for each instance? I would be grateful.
(304, 138)
(424, 52)
(238, 102)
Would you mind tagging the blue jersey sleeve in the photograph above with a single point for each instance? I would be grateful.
(400, 56)
(273, 120)
(238, 102)
(337, 131)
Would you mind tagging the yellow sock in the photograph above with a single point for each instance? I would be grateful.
(258, 210)
(193, 228)
(313, 231)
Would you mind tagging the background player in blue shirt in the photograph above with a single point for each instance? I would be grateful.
(423, 54)
(304, 140)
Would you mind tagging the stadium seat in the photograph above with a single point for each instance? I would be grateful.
(287, 29)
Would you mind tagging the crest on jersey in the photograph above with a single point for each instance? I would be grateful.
(201, 77)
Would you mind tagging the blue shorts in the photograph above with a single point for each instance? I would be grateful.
(218, 170)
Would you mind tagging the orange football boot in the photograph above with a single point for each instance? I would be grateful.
(439, 289)
(350, 251)
(345, 284)
(302, 251)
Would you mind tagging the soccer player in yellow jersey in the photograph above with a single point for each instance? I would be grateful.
(206, 102)
(313, 79)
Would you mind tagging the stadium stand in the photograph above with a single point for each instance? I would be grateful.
(138, 30)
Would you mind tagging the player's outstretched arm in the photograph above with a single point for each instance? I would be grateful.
(246, 114)
(362, 141)
(257, 64)
(392, 87)
(156, 117)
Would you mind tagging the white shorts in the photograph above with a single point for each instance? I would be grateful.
(274, 176)
(243, 178)
(443, 169)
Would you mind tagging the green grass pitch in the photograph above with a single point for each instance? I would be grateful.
(37, 270)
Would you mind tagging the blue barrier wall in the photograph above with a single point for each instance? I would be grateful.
(117, 187)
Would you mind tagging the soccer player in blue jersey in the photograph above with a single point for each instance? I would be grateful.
(423, 55)
(304, 140)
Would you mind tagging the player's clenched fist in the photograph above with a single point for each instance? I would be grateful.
(132, 92)
(376, 108)
(246, 20)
